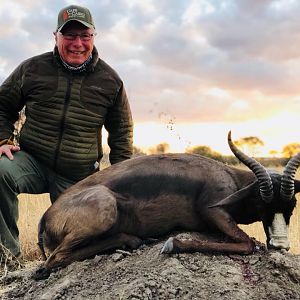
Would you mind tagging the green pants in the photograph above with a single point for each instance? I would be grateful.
(24, 174)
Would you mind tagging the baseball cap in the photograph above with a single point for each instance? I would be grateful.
(74, 13)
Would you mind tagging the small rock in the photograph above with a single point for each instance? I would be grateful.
(125, 253)
(97, 259)
(117, 257)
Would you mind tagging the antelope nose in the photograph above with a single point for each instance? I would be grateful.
(278, 233)
(279, 243)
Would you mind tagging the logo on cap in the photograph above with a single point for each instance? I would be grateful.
(76, 13)
(72, 13)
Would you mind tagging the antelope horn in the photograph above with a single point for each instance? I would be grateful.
(287, 179)
(263, 177)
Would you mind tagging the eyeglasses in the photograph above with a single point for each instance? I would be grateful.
(72, 36)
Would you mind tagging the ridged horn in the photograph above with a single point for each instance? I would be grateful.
(287, 180)
(263, 177)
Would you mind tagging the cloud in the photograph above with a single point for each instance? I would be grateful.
(195, 60)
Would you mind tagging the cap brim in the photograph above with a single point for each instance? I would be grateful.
(88, 25)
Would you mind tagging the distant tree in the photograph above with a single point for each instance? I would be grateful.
(160, 148)
(138, 151)
(273, 153)
(205, 151)
(250, 144)
(291, 149)
(208, 152)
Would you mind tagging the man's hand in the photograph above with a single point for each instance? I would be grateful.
(8, 150)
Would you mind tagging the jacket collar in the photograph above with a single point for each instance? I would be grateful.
(89, 67)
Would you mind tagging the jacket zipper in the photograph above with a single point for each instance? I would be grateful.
(63, 118)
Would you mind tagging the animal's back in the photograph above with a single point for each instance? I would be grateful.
(174, 173)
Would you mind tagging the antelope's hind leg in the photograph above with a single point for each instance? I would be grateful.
(70, 251)
(58, 258)
(71, 224)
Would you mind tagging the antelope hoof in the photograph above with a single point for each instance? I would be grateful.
(168, 246)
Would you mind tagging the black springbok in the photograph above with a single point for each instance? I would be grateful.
(151, 196)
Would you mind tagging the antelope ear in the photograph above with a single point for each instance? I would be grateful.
(240, 194)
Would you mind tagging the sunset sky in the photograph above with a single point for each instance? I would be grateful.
(193, 70)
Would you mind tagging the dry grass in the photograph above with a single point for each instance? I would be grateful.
(8, 262)
(33, 206)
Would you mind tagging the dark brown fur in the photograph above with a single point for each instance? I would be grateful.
(151, 196)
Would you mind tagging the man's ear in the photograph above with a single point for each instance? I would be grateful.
(55, 36)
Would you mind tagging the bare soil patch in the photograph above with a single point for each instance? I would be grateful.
(146, 274)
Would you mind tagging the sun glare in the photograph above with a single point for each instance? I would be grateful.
(275, 132)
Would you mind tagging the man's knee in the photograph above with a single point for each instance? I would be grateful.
(11, 171)
(23, 174)
(6, 167)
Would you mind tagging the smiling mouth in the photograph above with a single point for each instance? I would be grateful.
(76, 52)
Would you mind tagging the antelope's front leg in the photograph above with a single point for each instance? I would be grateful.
(220, 219)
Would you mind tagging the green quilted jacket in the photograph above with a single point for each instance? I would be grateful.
(65, 113)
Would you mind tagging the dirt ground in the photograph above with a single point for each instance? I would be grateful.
(147, 274)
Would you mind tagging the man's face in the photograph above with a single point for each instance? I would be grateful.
(74, 51)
